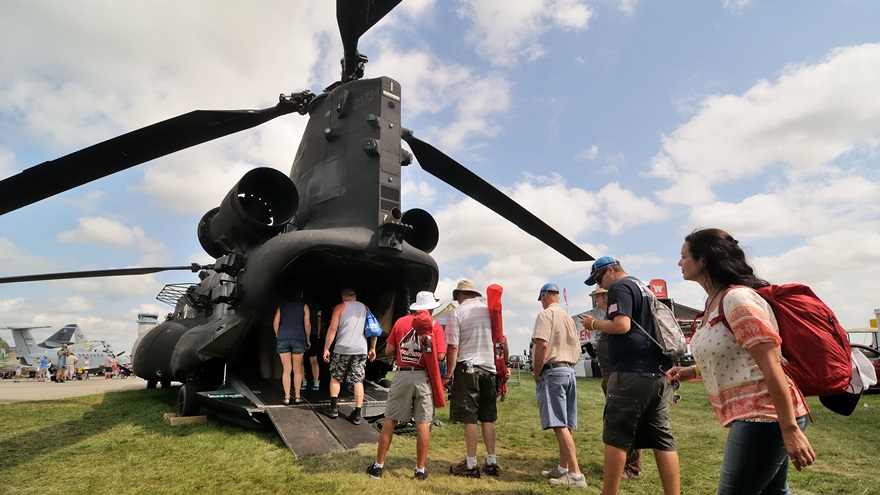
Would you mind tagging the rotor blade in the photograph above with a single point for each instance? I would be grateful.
(80, 167)
(354, 18)
(117, 272)
(456, 175)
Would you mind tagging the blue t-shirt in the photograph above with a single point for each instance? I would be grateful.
(633, 351)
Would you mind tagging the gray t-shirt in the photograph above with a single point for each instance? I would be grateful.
(350, 338)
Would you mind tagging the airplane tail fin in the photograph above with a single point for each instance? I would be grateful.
(61, 337)
(78, 336)
(24, 341)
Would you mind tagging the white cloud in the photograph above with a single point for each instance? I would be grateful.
(736, 5)
(812, 115)
(505, 32)
(104, 231)
(588, 154)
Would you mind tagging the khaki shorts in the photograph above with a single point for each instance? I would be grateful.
(410, 398)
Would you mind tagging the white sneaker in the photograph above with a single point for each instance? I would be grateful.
(567, 479)
(553, 473)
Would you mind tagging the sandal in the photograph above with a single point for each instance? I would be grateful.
(286, 401)
(298, 400)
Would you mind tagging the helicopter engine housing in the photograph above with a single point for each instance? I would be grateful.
(256, 208)
(424, 234)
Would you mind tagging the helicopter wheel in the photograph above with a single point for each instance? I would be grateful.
(188, 399)
(151, 383)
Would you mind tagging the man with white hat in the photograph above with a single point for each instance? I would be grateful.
(472, 353)
(410, 396)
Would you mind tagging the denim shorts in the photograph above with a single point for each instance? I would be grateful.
(293, 346)
(557, 398)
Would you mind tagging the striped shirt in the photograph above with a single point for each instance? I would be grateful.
(470, 328)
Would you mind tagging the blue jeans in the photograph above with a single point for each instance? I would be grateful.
(755, 460)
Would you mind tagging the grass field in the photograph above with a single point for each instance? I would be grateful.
(118, 443)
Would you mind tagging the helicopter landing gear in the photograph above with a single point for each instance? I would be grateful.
(151, 383)
(188, 399)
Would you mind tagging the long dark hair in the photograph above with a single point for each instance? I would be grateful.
(725, 261)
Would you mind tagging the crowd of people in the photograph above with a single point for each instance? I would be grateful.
(738, 359)
(68, 366)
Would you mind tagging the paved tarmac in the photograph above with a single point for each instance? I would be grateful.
(31, 390)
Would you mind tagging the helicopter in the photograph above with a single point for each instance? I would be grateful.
(335, 221)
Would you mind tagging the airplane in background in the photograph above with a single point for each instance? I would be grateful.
(29, 352)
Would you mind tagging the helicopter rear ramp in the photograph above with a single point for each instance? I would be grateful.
(306, 432)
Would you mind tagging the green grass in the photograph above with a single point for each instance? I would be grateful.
(119, 443)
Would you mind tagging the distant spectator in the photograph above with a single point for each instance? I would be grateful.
(61, 372)
(71, 365)
(43, 373)
(108, 367)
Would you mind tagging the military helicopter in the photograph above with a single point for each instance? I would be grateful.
(337, 221)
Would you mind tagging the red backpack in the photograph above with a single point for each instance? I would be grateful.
(813, 342)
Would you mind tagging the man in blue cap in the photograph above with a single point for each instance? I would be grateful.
(636, 410)
(556, 350)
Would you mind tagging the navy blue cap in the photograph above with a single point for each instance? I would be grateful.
(598, 265)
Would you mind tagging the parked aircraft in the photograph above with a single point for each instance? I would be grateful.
(30, 353)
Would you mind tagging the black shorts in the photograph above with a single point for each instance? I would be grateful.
(472, 398)
(637, 412)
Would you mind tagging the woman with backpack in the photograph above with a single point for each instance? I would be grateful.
(737, 354)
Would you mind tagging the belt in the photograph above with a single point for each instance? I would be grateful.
(557, 364)
(411, 368)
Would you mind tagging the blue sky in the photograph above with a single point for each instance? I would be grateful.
(624, 124)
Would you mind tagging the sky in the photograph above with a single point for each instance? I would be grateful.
(624, 124)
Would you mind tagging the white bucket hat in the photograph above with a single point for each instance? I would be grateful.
(425, 300)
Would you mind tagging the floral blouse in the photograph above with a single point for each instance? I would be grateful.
(732, 378)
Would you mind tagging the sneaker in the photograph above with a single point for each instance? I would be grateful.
(492, 470)
(461, 469)
(567, 480)
(304, 384)
(355, 418)
(332, 412)
(554, 473)
(420, 475)
(374, 471)
(316, 384)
